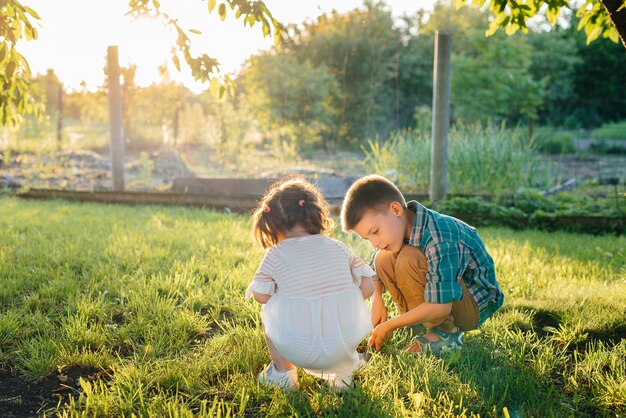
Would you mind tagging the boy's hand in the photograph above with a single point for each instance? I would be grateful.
(379, 311)
(380, 335)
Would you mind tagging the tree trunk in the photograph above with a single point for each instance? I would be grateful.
(618, 18)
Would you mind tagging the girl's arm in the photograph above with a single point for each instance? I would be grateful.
(262, 298)
(367, 287)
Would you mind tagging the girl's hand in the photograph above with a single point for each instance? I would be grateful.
(262, 298)
(380, 335)
(379, 311)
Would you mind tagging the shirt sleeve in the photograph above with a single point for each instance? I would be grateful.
(372, 265)
(446, 264)
(263, 281)
(360, 269)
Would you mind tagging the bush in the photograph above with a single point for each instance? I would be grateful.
(529, 201)
(565, 211)
(553, 141)
(605, 148)
(479, 212)
(616, 130)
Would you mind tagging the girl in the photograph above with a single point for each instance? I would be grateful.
(312, 286)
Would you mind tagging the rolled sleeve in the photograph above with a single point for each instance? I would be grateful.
(359, 269)
(261, 283)
(372, 265)
(445, 268)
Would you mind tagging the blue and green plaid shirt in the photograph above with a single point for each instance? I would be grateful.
(454, 252)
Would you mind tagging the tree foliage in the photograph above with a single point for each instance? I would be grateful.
(18, 96)
(203, 67)
(606, 18)
(292, 96)
(490, 76)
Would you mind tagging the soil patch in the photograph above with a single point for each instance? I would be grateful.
(20, 397)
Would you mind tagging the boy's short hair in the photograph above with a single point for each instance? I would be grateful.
(371, 192)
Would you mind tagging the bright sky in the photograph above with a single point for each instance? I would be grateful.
(74, 35)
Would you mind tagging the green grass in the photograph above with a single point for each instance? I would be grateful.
(151, 299)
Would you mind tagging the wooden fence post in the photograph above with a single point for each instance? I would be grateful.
(441, 118)
(115, 119)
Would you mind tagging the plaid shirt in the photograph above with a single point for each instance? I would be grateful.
(454, 252)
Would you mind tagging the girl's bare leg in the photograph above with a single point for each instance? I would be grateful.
(279, 361)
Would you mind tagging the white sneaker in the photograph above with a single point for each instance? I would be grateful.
(287, 380)
(340, 383)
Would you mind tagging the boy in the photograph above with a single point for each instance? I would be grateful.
(435, 267)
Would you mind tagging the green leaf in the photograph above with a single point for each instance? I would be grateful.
(613, 35)
(4, 52)
(511, 28)
(196, 31)
(222, 11)
(10, 69)
(214, 86)
(493, 27)
(211, 5)
(593, 34)
(31, 12)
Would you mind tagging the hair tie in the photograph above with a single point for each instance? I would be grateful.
(268, 209)
(301, 202)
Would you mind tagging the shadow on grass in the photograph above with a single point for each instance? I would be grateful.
(544, 319)
(529, 376)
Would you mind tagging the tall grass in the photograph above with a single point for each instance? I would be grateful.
(151, 299)
(615, 130)
(489, 159)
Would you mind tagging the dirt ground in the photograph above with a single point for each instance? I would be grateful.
(156, 170)
(20, 397)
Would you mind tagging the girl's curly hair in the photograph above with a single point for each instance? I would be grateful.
(289, 202)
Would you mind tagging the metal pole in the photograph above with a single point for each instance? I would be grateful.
(441, 118)
(115, 119)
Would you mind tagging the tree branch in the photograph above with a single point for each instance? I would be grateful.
(617, 16)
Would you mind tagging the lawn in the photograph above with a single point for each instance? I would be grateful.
(118, 310)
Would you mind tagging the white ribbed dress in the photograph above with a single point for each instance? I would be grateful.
(316, 316)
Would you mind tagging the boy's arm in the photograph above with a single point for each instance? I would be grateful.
(379, 310)
(423, 313)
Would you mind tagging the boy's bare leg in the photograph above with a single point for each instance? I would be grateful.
(279, 361)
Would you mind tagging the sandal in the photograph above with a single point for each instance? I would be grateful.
(447, 341)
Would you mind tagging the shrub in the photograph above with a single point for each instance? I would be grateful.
(615, 130)
(479, 212)
(553, 141)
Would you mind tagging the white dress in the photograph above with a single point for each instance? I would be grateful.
(316, 316)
